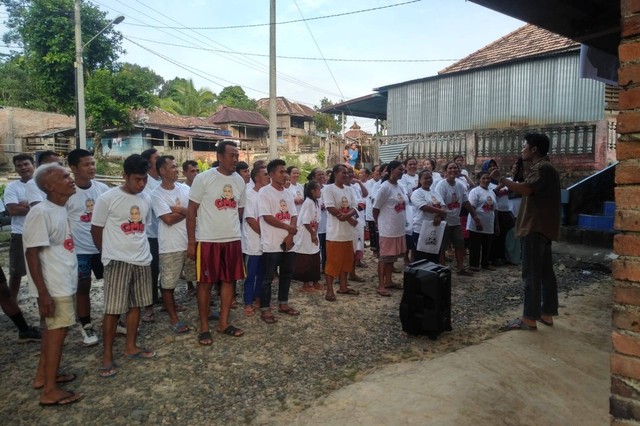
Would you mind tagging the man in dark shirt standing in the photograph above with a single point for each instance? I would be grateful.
(538, 224)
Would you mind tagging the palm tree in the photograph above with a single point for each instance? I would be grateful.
(184, 99)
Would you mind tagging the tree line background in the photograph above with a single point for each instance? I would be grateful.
(40, 73)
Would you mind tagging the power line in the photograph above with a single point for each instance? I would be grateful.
(199, 72)
(231, 56)
(335, 15)
(321, 54)
(305, 58)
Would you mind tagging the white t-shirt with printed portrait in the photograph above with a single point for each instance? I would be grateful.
(343, 200)
(279, 204)
(47, 226)
(124, 217)
(408, 183)
(297, 191)
(484, 201)
(13, 194)
(309, 215)
(421, 198)
(80, 209)
(251, 239)
(453, 196)
(391, 202)
(171, 238)
(219, 197)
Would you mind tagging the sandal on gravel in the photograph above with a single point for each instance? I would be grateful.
(518, 324)
(232, 331)
(108, 371)
(330, 297)
(180, 328)
(384, 293)
(545, 322)
(234, 304)
(69, 399)
(148, 317)
(289, 311)
(143, 353)
(269, 318)
(464, 272)
(205, 338)
(356, 279)
(249, 311)
(61, 378)
(394, 286)
(349, 291)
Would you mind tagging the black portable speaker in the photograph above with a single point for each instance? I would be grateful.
(426, 301)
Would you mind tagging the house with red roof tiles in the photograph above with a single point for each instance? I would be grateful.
(295, 121)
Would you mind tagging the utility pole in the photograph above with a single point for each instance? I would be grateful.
(273, 112)
(81, 122)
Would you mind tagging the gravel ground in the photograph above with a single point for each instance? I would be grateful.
(272, 368)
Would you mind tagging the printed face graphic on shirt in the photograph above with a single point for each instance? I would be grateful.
(454, 203)
(134, 225)
(344, 205)
(488, 205)
(400, 205)
(226, 201)
(177, 202)
(88, 210)
(435, 202)
(283, 215)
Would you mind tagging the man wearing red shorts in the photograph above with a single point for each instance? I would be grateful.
(216, 202)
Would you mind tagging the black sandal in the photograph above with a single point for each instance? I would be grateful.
(205, 338)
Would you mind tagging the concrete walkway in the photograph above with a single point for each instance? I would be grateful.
(553, 376)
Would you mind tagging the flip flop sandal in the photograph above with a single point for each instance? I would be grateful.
(180, 328)
(249, 311)
(69, 399)
(465, 273)
(330, 298)
(205, 338)
(269, 319)
(289, 311)
(108, 371)
(350, 291)
(384, 293)
(232, 331)
(518, 324)
(545, 322)
(61, 378)
(143, 353)
(394, 286)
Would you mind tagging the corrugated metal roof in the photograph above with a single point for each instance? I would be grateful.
(525, 42)
(390, 152)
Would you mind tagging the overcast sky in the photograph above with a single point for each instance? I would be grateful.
(435, 31)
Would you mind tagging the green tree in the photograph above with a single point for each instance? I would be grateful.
(17, 88)
(110, 97)
(326, 123)
(45, 30)
(185, 99)
(235, 97)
